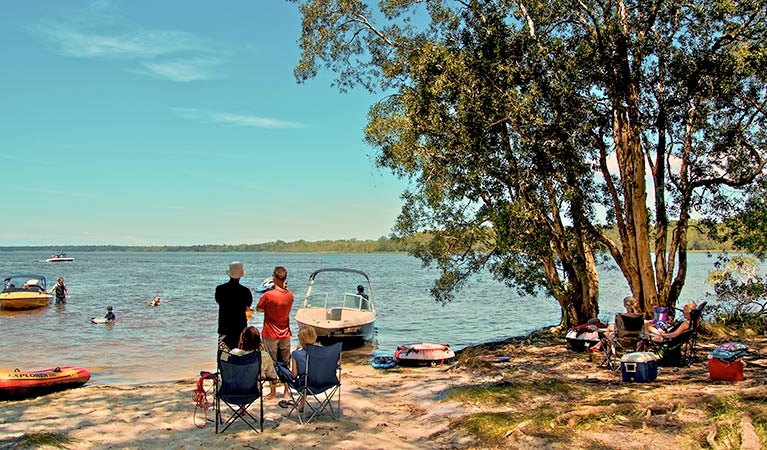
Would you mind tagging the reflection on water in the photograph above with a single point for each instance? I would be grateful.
(176, 339)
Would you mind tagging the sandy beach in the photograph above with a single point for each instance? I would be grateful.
(385, 409)
(543, 397)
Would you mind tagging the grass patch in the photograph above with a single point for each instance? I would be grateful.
(488, 428)
(38, 440)
(514, 392)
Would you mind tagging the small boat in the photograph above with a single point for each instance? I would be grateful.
(24, 291)
(350, 318)
(18, 385)
(424, 354)
(59, 257)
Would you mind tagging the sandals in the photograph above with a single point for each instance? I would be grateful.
(285, 403)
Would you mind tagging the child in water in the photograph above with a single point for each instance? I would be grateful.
(110, 315)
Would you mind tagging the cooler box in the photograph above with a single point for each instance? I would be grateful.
(723, 371)
(639, 366)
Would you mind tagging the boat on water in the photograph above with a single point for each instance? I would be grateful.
(24, 291)
(59, 257)
(345, 317)
(19, 384)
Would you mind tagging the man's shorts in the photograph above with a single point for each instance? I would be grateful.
(278, 349)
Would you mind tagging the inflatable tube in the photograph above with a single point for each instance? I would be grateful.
(18, 385)
(424, 354)
(383, 362)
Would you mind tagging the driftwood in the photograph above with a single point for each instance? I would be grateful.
(748, 438)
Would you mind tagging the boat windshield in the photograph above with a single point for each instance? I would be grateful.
(354, 301)
(319, 300)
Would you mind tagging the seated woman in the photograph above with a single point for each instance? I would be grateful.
(657, 334)
(250, 341)
(306, 336)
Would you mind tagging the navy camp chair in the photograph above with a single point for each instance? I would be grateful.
(316, 391)
(238, 387)
(679, 351)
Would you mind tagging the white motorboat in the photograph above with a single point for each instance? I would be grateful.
(59, 257)
(346, 317)
(24, 292)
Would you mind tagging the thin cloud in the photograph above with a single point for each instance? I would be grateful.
(166, 54)
(233, 119)
(49, 191)
(25, 159)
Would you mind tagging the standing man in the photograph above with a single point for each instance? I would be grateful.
(62, 293)
(234, 301)
(276, 305)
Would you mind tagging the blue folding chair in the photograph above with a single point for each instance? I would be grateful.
(238, 386)
(313, 393)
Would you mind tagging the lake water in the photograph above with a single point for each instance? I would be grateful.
(177, 339)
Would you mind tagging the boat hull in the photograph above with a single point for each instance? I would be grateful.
(27, 384)
(59, 260)
(338, 324)
(23, 300)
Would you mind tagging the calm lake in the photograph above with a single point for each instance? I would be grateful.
(177, 339)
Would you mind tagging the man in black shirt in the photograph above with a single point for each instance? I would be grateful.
(233, 301)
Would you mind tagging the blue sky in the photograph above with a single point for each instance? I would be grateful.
(138, 122)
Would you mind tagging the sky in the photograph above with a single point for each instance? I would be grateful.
(178, 122)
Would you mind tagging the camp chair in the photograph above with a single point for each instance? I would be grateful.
(238, 386)
(322, 382)
(623, 340)
(679, 351)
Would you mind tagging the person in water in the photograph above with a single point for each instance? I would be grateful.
(154, 302)
(62, 293)
(110, 316)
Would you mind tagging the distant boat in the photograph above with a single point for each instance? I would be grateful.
(351, 319)
(59, 257)
(24, 292)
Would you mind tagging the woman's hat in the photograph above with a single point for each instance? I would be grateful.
(236, 270)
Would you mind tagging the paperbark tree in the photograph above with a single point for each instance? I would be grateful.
(528, 128)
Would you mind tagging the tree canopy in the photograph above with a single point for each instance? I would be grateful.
(528, 128)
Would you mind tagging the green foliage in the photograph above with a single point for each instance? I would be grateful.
(748, 226)
(739, 288)
(526, 129)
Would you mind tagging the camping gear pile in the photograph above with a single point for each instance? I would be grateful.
(581, 337)
(724, 363)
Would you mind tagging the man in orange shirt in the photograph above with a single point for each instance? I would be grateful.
(276, 305)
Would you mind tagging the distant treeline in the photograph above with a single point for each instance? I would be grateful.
(382, 245)
(696, 241)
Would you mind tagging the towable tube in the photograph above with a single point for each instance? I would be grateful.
(424, 354)
(18, 385)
